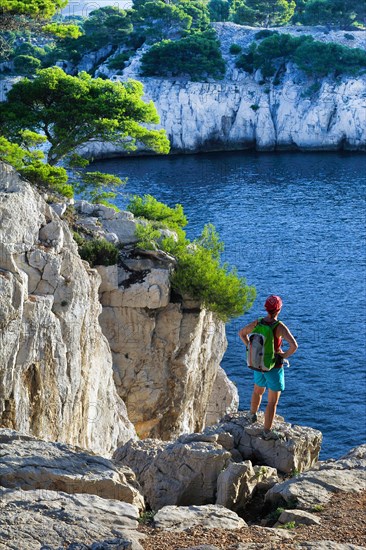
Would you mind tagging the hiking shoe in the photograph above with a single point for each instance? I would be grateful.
(253, 417)
(271, 435)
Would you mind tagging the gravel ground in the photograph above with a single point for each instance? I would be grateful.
(343, 519)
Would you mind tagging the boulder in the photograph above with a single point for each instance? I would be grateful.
(235, 485)
(29, 463)
(175, 473)
(56, 377)
(179, 518)
(300, 517)
(317, 486)
(297, 451)
(52, 520)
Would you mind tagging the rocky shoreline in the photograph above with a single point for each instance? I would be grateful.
(91, 357)
(56, 496)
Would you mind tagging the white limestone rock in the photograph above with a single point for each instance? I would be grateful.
(165, 361)
(56, 378)
(300, 517)
(175, 473)
(235, 485)
(297, 451)
(218, 115)
(224, 398)
(52, 520)
(28, 463)
(266, 477)
(211, 516)
(317, 485)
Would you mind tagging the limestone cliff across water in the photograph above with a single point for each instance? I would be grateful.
(243, 111)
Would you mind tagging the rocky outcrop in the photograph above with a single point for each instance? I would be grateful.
(296, 451)
(213, 467)
(56, 378)
(166, 351)
(174, 518)
(52, 520)
(244, 111)
(28, 463)
(59, 378)
(175, 473)
(316, 487)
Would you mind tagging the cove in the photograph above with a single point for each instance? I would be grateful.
(293, 224)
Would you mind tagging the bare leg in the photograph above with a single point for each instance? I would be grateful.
(273, 397)
(258, 391)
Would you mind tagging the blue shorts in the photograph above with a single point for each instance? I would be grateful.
(273, 379)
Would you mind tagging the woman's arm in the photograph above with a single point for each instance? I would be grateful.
(245, 331)
(286, 335)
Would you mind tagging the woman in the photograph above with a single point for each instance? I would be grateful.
(273, 379)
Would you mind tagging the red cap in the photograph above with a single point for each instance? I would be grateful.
(273, 303)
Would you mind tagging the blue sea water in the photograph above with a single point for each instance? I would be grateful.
(294, 224)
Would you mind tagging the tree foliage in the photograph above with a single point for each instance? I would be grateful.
(199, 273)
(33, 8)
(313, 57)
(62, 30)
(29, 162)
(263, 13)
(219, 10)
(73, 110)
(105, 26)
(151, 209)
(197, 56)
(338, 13)
(26, 64)
(157, 20)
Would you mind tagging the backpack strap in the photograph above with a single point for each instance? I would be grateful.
(273, 326)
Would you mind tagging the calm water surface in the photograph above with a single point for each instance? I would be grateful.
(294, 225)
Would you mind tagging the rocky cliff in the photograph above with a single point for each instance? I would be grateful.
(76, 345)
(56, 378)
(166, 351)
(243, 111)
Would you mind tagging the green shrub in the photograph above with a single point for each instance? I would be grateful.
(219, 10)
(313, 57)
(288, 525)
(255, 107)
(273, 516)
(39, 173)
(99, 252)
(199, 273)
(26, 64)
(147, 236)
(197, 56)
(264, 33)
(328, 58)
(349, 36)
(80, 241)
(119, 60)
(151, 209)
(317, 508)
(235, 49)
